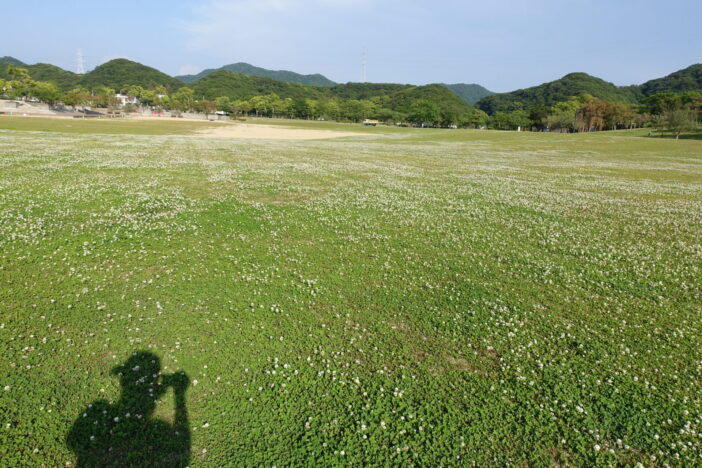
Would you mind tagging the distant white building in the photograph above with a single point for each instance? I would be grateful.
(124, 99)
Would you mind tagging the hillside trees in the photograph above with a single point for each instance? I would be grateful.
(77, 97)
(424, 112)
(205, 107)
(46, 92)
(561, 116)
(183, 99)
(618, 115)
(518, 119)
(677, 121)
(20, 81)
(354, 110)
(476, 118)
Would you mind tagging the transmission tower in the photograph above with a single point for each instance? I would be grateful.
(80, 62)
(364, 66)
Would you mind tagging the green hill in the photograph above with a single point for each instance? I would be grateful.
(63, 79)
(119, 74)
(688, 79)
(471, 93)
(547, 94)
(41, 72)
(440, 95)
(12, 61)
(239, 86)
(247, 69)
(365, 90)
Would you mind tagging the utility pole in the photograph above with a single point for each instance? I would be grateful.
(80, 62)
(364, 65)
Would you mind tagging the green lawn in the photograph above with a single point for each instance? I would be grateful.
(116, 126)
(414, 297)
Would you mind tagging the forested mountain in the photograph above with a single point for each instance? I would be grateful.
(120, 74)
(366, 90)
(471, 93)
(12, 61)
(548, 94)
(444, 98)
(65, 80)
(247, 69)
(239, 86)
(431, 103)
(688, 79)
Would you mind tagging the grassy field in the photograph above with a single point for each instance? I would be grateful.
(411, 297)
(116, 126)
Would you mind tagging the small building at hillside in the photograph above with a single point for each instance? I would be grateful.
(124, 99)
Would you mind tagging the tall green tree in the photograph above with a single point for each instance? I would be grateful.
(45, 92)
(77, 97)
(301, 108)
(677, 121)
(425, 112)
(184, 98)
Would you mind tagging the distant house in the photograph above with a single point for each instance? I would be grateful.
(124, 99)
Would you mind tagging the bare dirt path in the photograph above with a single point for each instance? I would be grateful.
(270, 132)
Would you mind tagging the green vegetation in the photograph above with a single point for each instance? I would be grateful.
(576, 103)
(243, 94)
(166, 126)
(471, 93)
(120, 74)
(63, 79)
(449, 108)
(428, 298)
(246, 69)
(548, 94)
(689, 79)
(12, 61)
(579, 102)
(237, 86)
(366, 90)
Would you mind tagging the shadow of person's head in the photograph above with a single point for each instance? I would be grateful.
(139, 377)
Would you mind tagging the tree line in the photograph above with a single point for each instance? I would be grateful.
(675, 112)
(185, 99)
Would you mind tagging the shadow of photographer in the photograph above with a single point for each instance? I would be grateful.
(126, 433)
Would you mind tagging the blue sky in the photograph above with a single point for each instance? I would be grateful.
(501, 45)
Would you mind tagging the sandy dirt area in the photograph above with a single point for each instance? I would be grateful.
(270, 132)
